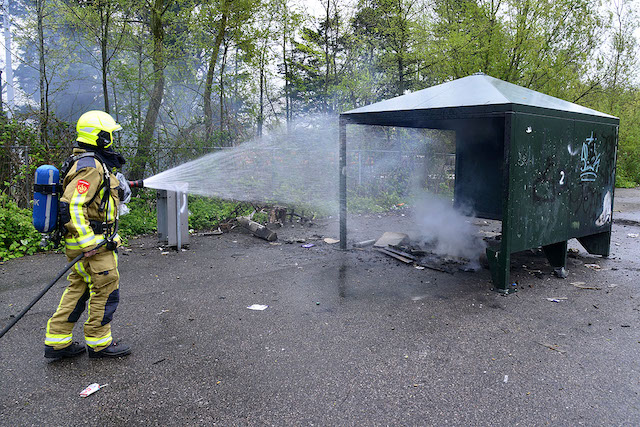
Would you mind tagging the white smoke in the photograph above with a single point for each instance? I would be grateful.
(445, 230)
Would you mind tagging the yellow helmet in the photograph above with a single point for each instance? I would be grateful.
(96, 128)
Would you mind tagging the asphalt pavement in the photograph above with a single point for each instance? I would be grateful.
(348, 338)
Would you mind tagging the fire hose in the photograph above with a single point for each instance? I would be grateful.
(53, 282)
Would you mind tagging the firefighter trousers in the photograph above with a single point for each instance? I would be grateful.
(94, 280)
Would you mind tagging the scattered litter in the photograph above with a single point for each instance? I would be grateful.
(441, 270)
(275, 243)
(331, 241)
(613, 285)
(401, 258)
(212, 233)
(420, 267)
(390, 238)
(317, 302)
(364, 243)
(552, 347)
(625, 326)
(583, 285)
(258, 307)
(398, 254)
(308, 245)
(471, 267)
(557, 299)
(159, 361)
(418, 298)
(257, 229)
(91, 388)
(634, 235)
(506, 379)
(164, 311)
(165, 253)
(595, 267)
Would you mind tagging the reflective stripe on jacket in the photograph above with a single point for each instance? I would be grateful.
(82, 182)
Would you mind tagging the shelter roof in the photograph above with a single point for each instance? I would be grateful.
(477, 90)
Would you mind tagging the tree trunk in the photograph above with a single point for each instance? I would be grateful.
(261, 113)
(146, 137)
(222, 67)
(42, 72)
(400, 74)
(208, 111)
(326, 57)
(287, 97)
(104, 29)
(139, 93)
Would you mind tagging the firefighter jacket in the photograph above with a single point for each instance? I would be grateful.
(84, 188)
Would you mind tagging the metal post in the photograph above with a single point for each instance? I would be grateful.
(178, 227)
(343, 183)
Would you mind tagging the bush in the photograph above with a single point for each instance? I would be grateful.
(207, 213)
(142, 216)
(381, 202)
(18, 237)
(628, 167)
(204, 213)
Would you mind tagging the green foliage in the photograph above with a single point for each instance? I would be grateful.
(142, 216)
(17, 235)
(628, 166)
(381, 202)
(207, 213)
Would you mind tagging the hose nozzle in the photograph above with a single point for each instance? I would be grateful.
(137, 184)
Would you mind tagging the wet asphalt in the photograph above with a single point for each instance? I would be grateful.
(348, 338)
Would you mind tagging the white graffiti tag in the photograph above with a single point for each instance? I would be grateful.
(605, 216)
(589, 160)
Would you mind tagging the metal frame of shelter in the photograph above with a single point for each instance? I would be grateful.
(543, 166)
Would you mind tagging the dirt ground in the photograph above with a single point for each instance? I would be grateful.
(349, 338)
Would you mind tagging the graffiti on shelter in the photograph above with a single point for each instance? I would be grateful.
(605, 216)
(544, 188)
(589, 160)
(572, 151)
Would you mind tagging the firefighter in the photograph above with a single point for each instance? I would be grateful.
(88, 210)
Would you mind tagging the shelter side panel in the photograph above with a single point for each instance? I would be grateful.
(539, 181)
(479, 166)
(592, 157)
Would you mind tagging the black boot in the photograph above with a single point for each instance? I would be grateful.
(113, 350)
(72, 350)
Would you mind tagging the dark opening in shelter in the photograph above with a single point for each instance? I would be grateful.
(543, 166)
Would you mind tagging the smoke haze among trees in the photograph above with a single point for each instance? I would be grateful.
(191, 74)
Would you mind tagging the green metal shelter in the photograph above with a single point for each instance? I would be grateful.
(543, 166)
